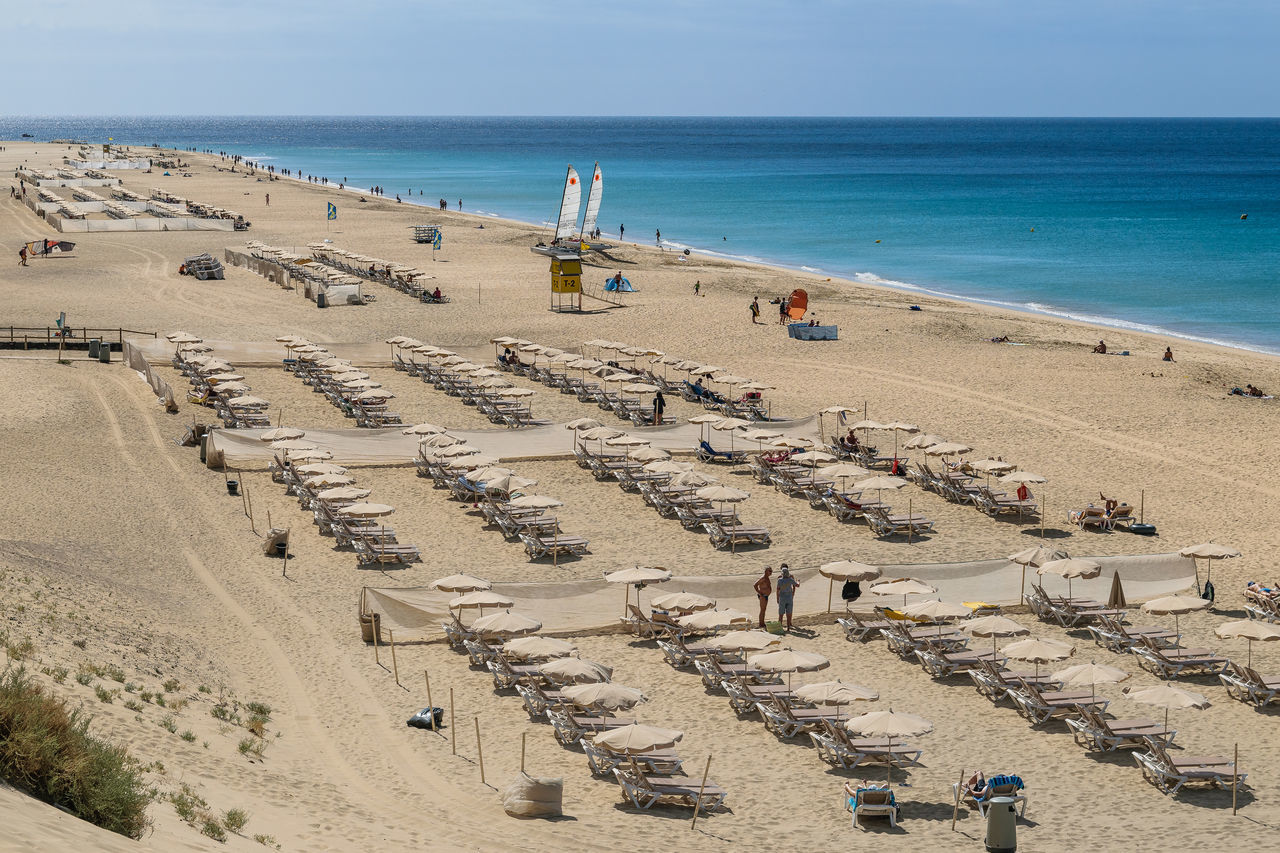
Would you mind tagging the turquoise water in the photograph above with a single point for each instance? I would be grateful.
(1133, 223)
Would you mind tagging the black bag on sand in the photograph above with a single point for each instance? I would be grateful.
(851, 591)
(427, 718)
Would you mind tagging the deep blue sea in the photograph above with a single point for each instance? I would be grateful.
(1134, 223)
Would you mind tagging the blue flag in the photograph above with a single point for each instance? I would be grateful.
(438, 241)
(333, 211)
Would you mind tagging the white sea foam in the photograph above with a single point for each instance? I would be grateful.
(809, 269)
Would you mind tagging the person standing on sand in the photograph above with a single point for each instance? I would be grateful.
(659, 406)
(697, 287)
(763, 587)
(622, 229)
(657, 234)
(787, 586)
(459, 204)
(755, 311)
(268, 199)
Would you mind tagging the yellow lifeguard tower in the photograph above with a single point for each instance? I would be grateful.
(566, 279)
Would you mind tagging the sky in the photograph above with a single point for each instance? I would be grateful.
(663, 57)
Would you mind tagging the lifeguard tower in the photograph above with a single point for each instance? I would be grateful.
(566, 281)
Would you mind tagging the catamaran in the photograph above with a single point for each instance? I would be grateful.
(565, 242)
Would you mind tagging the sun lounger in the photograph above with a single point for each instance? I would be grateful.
(537, 700)
(1248, 685)
(1170, 774)
(996, 786)
(735, 535)
(572, 727)
(941, 664)
(1094, 731)
(537, 545)
(1039, 707)
(1118, 637)
(374, 552)
(1090, 516)
(836, 747)
(645, 791)
(858, 628)
(707, 453)
(602, 762)
(995, 682)
(872, 802)
(1174, 662)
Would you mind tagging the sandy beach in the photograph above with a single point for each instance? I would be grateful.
(124, 554)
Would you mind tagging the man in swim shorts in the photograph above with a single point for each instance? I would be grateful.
(787, 586)
(763, 587)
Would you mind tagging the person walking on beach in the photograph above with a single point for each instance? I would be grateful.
(755, 311)
(763, 587)
(658, 237)
(659, 406)
(697, 287)
(622, 229)
(787, 586)
(459, 204)
(268, 199)
(783, 304)
(22, 256)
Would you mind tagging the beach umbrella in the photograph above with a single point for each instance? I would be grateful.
(423, 429)
(232, 387)
(947, 448)
(183, 338)
(471, 461)
(481, 599)
(637, 739)
(668, 466)
(538, 647)
(536, 502)
(459, 583)
(837, 411)
(223, 378)
(292, 444)
(281, 434)
(1210, 551)
(323, 481)
(1248, 629)
(843, 471)
(603, 696)
(722, 495)
(639, 388)
(1071, 567)
(812, 458)
(845, 571)
(702, 420)
(343, 493)
(788, 661)
(439, 439)
(695, 479)
(1168, 697)
(457, 449)
(648, 454)
(248, 403)
(576, 670)
(1176, 605)
(367, 510)
(706, 370)
(992, 466)
(510, 483)
(755, 386)
(308, 455)
(888, 724)
(794, 442)
(902, 587)
(709, 620)
(493, 472)
(1026, 477)
(881, 483)
(1039, 650)
(1036, 556)
(375, 394)
(993, 627)
(920, 441)
(506, 623)
(730, 379)
(626, 441)
(936, 610)
(582, 423)
(316, 468)
(900, 428)
(349, 375)
(741, 641)
(1091, 674)
(684, 602)
(760, 436)
(835, 693)
(639, 576)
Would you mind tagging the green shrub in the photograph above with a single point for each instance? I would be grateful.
(169, 724)
(235, 819)
(133, 705)
(213, 829)
(20, 650)
(172, 685)
(188, 735)
(104, 695)
(85, 678)
(47, 751)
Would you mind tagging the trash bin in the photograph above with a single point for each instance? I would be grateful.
(233, 487)
(321, 301)
(104, 353)
(1002, 825)
(94, 345)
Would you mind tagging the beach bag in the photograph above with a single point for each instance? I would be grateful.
(851, 591)
(527, 796)
(1209, 592)
(427, 718)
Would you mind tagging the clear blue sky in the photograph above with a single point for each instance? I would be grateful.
(665, 57)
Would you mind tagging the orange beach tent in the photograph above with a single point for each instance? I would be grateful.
(798, 305)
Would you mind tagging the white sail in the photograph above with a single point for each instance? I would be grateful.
(593, 203)
(569, 204)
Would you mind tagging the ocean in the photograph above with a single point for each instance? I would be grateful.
(1161, 225)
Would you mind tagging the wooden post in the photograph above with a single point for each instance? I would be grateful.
(1142, 505)
(429, 705)
(479, 750)
(268, 521)
(955, 809)
(522, 739)
(453, 730)
(285, 572)
(394, 667)
(252, 525)
(377, 629)
(1235, 778)
(702, 788)
(910, 527)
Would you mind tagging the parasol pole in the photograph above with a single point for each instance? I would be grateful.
(703, 787)
(831, 587)
(1022, 586)
(1235, 777)
(955, 809)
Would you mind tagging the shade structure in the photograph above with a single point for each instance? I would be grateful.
(1037, 556)
(457, 449)
(575, 670)
(835, 693)
(248, 403)
(812, 458)
(947, 448)
(538, 648)
(722, 494)
(668, 466)
(845, 571)
(881, 483)
(843, 471)
(472, 461)
(993, 627)
(508, 484)
(1175, 605)
(367, 510)
(788, 661)
(1069, 568)
(684, 602)
(600, 433)
(292, 444)
(374, 394)
(439, 439)
(888, 724)
(639, 576)
(1209, 551)
(481, 598)
(1168, 697)
(423, 429)
(315, 468)
(281, 434)
(343, 493)
(902, 587)
(351, 374)
(231, 386)
(1090, 674)
(1022, 477)
(637, 739)
(922, 440)
(992, 466)
(582, 424)
(648, 454)
(936, 610)
(1248, 629)
(506, 624)
(493, 472)
(326, 481)
(1039, 650)
(536, 502)
(626, 441)
(310, 455)
(603, 695)
(741, 641)
(459, 583)
(709, 620)
(692, 478)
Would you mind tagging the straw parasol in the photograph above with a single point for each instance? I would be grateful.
(845, 571)
(1175, 605)
(639, 576)
(1039, 650)
(1036, 556)
(993, 627)
(709, 620)
(648, 454)
(538, 647)
(838, 411)
(921, 441)
(1069, 568)
(324, 481)
(480, 599)
(459, 583)
(506, 624)
(1092, 674)
(423, 429)
(1248, 629)
(741, 641)
(693, 478)
(835, 693)
(281, 434)
(684, 602)
(1168, 697)
(343, 493)
(903, 587)
(316, 468)
(576, 670)
(888, 724)
(1210, 551)
(789, 661)
(637, 739)
(604, 696)
(937, 610)
(881, 483)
